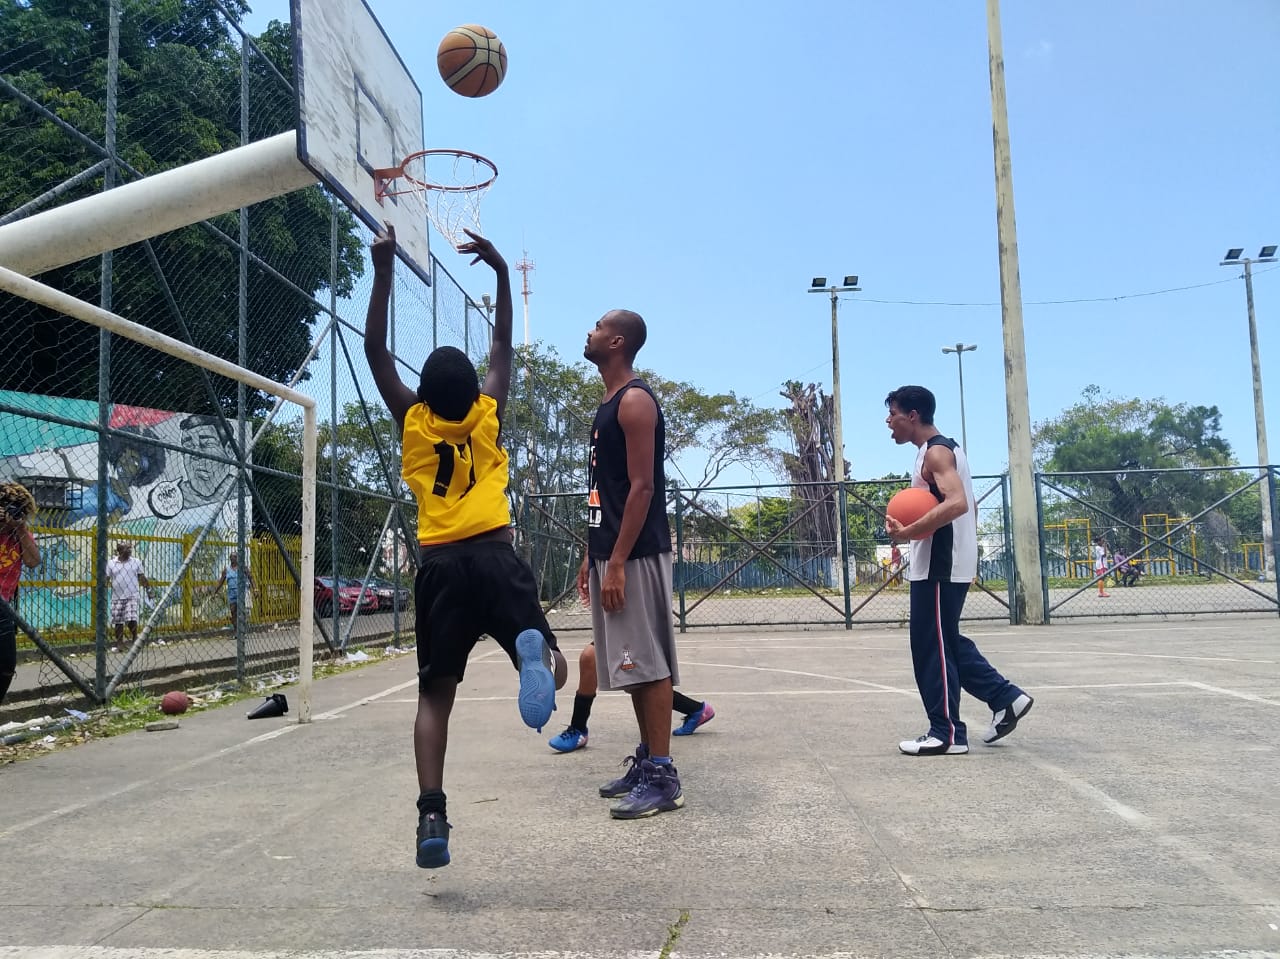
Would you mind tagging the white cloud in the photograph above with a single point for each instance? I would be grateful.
(1043, 50)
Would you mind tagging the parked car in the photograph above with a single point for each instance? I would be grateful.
(349, 594)
(390, 596)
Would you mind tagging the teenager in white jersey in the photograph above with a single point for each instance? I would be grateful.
(944, 561)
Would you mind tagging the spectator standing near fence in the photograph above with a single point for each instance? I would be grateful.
(17, 549)
(1100, 565)
(124, 573)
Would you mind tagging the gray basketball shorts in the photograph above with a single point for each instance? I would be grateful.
(636, 644)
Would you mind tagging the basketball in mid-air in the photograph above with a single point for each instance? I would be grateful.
(910, 504)
(175, 702)
(472, 60)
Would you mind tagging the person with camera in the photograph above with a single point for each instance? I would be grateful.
(17, 549)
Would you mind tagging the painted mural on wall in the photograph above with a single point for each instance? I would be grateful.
(156, 498)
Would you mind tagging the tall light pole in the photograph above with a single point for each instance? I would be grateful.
(525, 266)
(959, 350)
(1028, 586)
(1266, 255)
(850, 285)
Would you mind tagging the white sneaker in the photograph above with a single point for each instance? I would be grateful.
(1006, 720)
(931, 746)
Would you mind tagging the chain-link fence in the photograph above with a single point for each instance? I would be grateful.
(770, 555)
(1182, 542)
(1153, 542)
(123, 444)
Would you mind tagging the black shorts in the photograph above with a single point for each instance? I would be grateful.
(465, 591)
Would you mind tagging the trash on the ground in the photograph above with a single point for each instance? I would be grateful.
(359, 656)
(162, 724)
(76, 714)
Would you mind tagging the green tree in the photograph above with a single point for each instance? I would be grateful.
(1106, 444)
(727, 428)
(178, 101)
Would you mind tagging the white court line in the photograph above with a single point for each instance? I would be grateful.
(1103, 652)
(136, 952)
(1186, 848)
(1091, 792)
(753, 694)
(201, 760)
(1248, 697)
(796, 672)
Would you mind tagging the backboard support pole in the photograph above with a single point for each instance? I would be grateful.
(156, 204)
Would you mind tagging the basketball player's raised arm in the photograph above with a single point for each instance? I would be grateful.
(382, 364)
(497, 380)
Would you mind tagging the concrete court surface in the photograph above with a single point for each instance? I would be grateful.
(1135, 812)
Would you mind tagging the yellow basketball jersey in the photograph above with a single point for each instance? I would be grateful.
(457, 471)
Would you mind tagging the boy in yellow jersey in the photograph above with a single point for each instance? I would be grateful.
(470, 581)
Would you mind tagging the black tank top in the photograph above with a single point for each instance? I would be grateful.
(608, 484)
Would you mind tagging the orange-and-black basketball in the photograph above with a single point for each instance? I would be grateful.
(472, 60)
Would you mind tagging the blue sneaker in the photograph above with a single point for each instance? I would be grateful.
(694, 720)
(433, 841)
(568, 741)
(657, 791)
(537, 682)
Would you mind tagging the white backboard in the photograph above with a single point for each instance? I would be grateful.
(358, 110)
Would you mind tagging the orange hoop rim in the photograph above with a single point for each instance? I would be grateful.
(384, 176)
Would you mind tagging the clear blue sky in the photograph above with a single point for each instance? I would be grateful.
(700, 163)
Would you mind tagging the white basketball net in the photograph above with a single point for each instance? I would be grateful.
(451, 184)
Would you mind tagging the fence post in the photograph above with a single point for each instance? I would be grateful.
(1044, 570)
(845, 579)
(1008, 548)
(679, 564)
(1269, 490)
(101, 626)
(240, 626)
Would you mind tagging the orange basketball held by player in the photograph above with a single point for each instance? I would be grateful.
(910, 504)
(472, 60)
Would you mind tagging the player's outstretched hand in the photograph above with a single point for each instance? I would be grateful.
(483, 250)
(383, 251)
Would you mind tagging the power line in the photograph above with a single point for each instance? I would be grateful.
(1088, 299)
(1083, 299)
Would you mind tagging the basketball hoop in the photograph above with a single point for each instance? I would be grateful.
(450, 182)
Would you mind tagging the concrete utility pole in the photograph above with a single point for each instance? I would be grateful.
(850, 285)
(1233, 258)
(1028, 583)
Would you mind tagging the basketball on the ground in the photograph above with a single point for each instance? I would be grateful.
(910, 504)
(472, 60)
(175, 702)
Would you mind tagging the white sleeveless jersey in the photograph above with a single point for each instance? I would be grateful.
(950, 554)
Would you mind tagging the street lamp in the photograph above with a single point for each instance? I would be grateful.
(1233, 258)
(959, 350)
(850, 285)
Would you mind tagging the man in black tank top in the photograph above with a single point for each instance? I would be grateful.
(626, 575)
